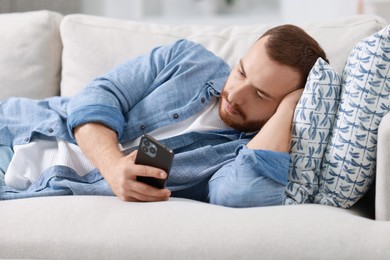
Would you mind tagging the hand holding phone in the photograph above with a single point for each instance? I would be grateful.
(152, 153)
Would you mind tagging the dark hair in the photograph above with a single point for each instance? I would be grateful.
(290, 45)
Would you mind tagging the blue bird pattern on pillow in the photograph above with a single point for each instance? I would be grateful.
(348, 168)
(333, 150)
(313, 121)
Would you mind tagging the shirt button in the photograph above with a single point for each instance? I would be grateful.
(27, 139)
(202, 100)
(211, 83)
(142, 127)
(50, 130)
(176, 116)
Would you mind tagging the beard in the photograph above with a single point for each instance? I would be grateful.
(242, 124)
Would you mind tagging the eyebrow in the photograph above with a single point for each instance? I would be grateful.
(242, 67)
(257, 89)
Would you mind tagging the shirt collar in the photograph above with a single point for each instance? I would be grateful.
(217, 85)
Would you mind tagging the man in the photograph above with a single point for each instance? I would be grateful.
(184, 96)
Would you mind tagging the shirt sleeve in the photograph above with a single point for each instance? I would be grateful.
(253, 178)
(108, 99)
(267, 163)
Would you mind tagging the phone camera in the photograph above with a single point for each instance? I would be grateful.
(149, 148)
(145, 149)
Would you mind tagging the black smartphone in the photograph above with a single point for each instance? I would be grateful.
(152, 153)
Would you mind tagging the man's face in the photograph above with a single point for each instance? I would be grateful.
(254, 89)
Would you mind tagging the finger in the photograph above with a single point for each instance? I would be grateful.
(135, 196)
(144, 170)
(133, 155)
(143, 192)
(143, 188)
(149, 171)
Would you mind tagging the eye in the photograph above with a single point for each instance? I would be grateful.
(259, 94)
(240, 72)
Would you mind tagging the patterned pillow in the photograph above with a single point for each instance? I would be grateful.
(349, 164)
(312, 124)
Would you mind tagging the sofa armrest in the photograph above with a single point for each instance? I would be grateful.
(382, 194)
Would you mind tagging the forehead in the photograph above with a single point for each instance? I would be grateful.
(266, 74)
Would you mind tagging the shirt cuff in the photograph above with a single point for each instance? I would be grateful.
(271, 164)
(111, 117)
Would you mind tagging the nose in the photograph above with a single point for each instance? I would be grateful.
(238, 94)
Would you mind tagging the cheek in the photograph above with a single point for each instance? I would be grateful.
(261, 111)
(270, 109)
(232, 81)
(228, 84)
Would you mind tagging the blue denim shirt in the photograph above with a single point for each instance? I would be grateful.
(168, 85)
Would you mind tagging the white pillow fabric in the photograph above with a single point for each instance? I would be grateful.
(349, 163)
(313, 121)
(30, 54)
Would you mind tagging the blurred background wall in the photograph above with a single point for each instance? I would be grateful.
(208, 11)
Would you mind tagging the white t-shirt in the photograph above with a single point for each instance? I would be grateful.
(31, 160)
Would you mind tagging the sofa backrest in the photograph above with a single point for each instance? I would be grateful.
(43, 53)
(30, 54)
(93, 45)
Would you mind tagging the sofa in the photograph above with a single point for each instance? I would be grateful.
(44, 53)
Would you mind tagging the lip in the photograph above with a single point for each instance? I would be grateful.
(229, 108)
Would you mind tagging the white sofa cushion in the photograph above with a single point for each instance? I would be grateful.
(30, 54)
(93, 45)
(94, 227)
